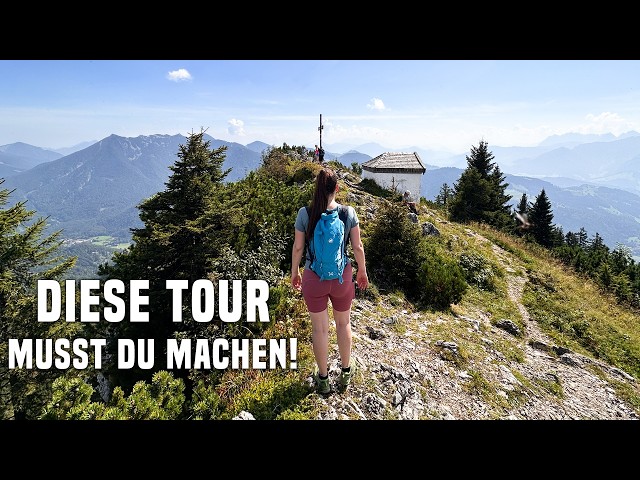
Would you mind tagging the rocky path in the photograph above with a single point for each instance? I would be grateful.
(407, 374)
(585, 395)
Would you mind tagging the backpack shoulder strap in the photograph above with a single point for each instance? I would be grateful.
(306, 241)
(343, 213)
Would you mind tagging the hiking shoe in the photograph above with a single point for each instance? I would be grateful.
(345, 377)
(322, 384)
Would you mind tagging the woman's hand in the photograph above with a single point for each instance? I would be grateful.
(362, 280)
(296, 281)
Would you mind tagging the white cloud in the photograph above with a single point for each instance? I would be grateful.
(236, 127)
(376, 104)
(335, 132)
(606, 122)
(180, 75)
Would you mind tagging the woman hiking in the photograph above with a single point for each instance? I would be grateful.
(316, 292)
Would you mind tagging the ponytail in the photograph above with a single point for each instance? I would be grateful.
(326, 183)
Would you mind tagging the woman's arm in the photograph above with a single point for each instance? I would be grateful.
(358, 251)
(296, 258)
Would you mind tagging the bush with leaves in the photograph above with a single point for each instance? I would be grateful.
(477, 271)
(440, 279)
(283, 163)
(265, 396)
(205, 402)
(260, 264)
(392, 248)
(259, 200)
(163, 399)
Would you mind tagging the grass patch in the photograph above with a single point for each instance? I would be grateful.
(578, 316)
(511, 350)
(550, 383)
(627, 393)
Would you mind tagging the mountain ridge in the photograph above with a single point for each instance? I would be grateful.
(94, 191)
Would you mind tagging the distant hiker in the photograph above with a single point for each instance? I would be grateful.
(321, 154)
(317, 292)
(316, 154)
(406, 199)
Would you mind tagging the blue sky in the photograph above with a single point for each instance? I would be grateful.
(433, 104)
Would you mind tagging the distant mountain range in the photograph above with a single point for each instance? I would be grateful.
(606, 160)
(591, 181)
(95, 191)
(612, 213)
(19, 157)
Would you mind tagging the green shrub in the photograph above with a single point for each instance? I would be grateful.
(205, 403)
(392, 249)
(267, 396)
(441, 281)
(304, 173)
(477, 271)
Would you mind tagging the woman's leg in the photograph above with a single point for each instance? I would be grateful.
(320, 340)
(343, 332)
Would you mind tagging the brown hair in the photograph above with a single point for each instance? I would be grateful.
(326, 183)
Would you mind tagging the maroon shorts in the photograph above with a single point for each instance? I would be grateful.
(317, 292)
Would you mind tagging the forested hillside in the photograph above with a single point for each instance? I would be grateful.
(468, 315)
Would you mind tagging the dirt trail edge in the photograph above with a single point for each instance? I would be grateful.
(409, 373)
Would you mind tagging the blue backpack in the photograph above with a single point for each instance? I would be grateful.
(328, 257)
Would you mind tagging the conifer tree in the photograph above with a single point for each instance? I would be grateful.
(523, 205)
(557, 236)
(26, 255)
(481, 159)
(471, 198)
(571, 239)
(183, 233)
(499, 210)
(541, 217)
(480, 191)
(444, 195)
(583, 238)
(621, 258)
(596, 244)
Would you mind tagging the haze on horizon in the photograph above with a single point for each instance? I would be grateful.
(445, 105)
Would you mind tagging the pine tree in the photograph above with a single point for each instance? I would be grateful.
(597, 252)
(471, 198)
(499, 211)
(596, 244)
(183, 233)
(523, 205)
(521, 213)
(480, 191)
(620, 258)
(481, 159)
(26, 255)
(444, 196)
(583, 238)
(541, 217)
(557, 236)
(571, 239)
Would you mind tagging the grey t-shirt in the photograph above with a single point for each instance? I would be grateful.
(302, 221)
